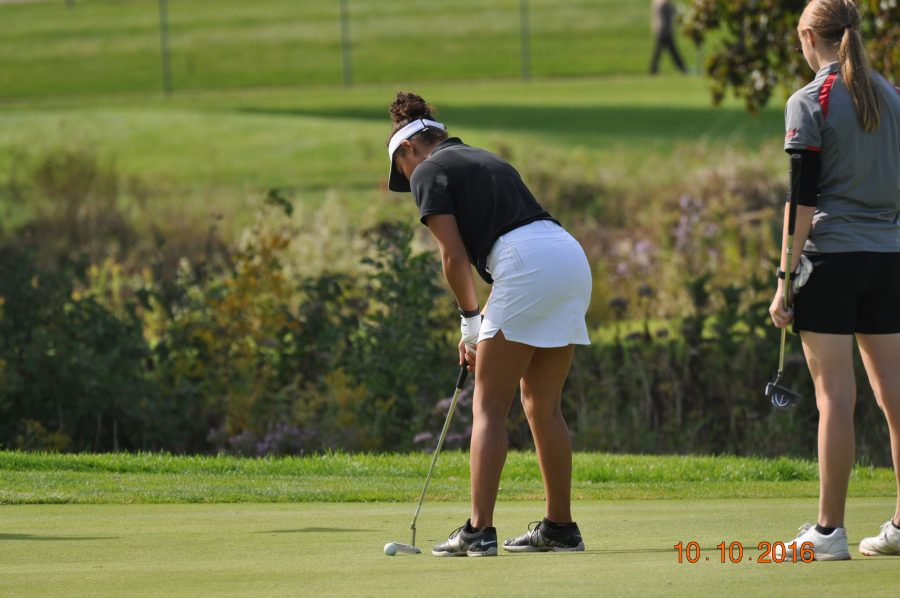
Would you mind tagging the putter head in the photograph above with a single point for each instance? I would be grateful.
(406, 549)
(782, 398)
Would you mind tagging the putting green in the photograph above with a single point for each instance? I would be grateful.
(336, 549)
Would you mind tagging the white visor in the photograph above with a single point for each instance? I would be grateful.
(408, 131)
(396, 180)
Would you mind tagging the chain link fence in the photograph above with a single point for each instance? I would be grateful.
(61, 47)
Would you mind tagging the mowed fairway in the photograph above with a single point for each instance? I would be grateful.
(336, 549)
(113, 46)
(328, 137)
(258, 101)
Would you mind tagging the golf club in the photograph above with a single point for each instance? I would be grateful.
(783, 397)
(393, 548)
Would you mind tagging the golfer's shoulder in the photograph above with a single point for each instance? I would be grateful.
(806, 99)
(426, 172)
(817, 93)
(456, 159)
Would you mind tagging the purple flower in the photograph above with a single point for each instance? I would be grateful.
(644, 251)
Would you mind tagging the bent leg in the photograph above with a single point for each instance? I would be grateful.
(498, 369)
(880, 353)
(654, 62)
(542, 400)
(676, 55)
(830, 361)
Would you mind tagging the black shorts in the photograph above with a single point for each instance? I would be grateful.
(850, 293)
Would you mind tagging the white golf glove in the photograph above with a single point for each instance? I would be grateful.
(804, 269)
(469, 327)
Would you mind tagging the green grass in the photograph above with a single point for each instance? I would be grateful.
(113, 46)
(218, 151)
(259, 104)
(336, 549)
(27, 478)
(314, 547)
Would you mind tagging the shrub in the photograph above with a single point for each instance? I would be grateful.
(67, 364)
(186, 344)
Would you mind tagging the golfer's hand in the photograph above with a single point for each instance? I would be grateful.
(781, 316)
(467, 356)
(469, 329)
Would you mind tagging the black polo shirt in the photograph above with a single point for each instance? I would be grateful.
(483, 191)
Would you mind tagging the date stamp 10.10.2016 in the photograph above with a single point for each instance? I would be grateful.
(769, 552)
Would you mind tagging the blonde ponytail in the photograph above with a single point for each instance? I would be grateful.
(837, 22)
(858, 79)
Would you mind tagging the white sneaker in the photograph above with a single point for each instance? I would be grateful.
(887, 542)
(832, 547)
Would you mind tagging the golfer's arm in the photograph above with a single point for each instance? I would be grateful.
(454, 258)
(802, 226)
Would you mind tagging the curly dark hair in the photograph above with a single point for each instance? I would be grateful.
(408, 107)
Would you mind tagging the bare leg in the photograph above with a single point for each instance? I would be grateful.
(830, 360)
(542, 398)
(879, 353)
(499, 367)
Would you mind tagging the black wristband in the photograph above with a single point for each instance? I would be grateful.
(469, 314)
(782, 275)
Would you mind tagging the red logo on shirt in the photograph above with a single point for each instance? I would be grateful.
(792, 134)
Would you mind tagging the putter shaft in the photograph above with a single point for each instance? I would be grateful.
(460, 382)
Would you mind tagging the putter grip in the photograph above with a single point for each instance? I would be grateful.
(793, 193)
(463, 372)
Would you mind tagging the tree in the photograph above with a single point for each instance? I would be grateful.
(755, 43)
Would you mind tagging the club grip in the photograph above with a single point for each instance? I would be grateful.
(463, 372)
(794, 192)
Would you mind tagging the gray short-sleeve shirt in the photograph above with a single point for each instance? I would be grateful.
(859, 187)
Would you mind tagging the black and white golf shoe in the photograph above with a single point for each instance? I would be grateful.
(482, 542)
(542, 537)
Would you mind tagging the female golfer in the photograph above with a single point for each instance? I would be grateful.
(481, 213)
(846, 127)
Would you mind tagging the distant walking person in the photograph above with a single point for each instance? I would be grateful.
(664, 34)
(845, 125)
(481, 214)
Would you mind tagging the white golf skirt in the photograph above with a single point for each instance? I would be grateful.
(542, 287)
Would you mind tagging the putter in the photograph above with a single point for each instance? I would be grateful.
(782, 397)
(411, 547)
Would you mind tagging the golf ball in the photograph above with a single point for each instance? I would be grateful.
(390, 549)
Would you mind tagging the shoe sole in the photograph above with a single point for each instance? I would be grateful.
(827, 557)
(488, 552)
(875, 552)
(833, 557)
(837, 556)
(579, 548)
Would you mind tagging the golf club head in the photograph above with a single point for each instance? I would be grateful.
(782, 398)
